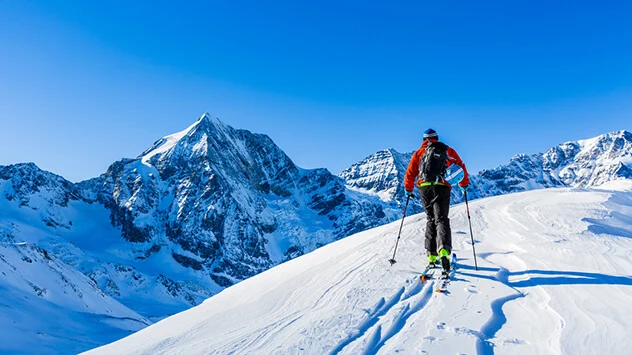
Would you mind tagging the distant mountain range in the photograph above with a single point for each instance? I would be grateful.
(585, 163)
(210, 206)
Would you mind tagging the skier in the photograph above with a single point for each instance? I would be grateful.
(428, 166)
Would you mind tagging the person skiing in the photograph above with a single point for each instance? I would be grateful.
(428, 166)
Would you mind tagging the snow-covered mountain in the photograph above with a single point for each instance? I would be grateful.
(584, 163)
(228, 203)
(46, 211)
(211, 206)
(553, 278)
(199, 211)
(381, 174)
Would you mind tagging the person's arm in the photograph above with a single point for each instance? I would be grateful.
(456, 159)
(412, 171)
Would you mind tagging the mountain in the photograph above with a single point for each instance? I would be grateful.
(228, 203)
(199, 211)
(585, 163)
(209, 207)
(561, 286)
(381, 174)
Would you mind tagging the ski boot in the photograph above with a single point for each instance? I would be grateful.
(444, 255)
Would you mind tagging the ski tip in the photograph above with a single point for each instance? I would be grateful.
(439, 290)
(423, 278)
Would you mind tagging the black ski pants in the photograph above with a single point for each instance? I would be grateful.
(436, 202)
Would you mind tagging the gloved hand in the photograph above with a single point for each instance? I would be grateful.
(409, 194)
(464, 189)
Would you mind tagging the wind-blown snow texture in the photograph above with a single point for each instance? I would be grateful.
(553, 278)
(211, 206)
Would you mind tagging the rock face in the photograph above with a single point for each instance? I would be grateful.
(212, 205)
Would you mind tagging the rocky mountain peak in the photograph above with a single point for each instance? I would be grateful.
(211, 135)
(208, 124)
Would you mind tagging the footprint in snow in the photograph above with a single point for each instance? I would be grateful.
(471, 289)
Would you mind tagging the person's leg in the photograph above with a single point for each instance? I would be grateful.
(427, 199)
(441, 209)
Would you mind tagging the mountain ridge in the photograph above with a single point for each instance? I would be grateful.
(582, 163)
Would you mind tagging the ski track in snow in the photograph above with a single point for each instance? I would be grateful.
(417, 295)
(545, 259)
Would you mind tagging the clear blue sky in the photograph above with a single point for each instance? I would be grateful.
(85, 83)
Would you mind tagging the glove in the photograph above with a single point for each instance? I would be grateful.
(409, 194)
(464, 189)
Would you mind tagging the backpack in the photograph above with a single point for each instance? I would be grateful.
(434, 162)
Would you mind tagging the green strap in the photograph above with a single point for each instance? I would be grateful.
(429, 183)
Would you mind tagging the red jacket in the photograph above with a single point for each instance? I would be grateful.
(413, 167)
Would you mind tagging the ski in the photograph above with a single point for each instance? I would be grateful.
(444, 281)
(428, 272)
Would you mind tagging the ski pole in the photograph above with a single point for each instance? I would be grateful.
(469, 219)
(392, 261)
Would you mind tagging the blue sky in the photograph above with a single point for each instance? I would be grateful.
(85, 83)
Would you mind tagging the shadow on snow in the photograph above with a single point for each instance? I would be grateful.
(536, 278)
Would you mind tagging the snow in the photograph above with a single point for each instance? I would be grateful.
(51, 306)
(383, 195)
(168, 142)
(553, 278)
(86, 242)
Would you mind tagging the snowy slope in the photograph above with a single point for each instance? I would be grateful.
(47, 305)
(553, 278)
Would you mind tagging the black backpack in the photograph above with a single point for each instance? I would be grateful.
(434, 162)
